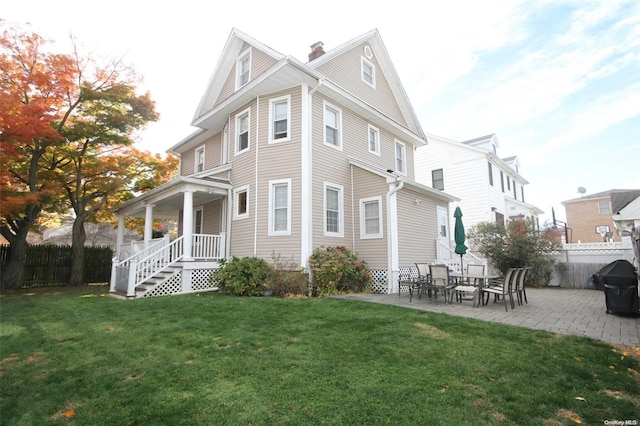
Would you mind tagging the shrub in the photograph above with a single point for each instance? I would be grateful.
(288, 277)
(246, 276)
(337, 270)
(517, 245)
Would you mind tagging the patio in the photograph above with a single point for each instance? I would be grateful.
(566, 311)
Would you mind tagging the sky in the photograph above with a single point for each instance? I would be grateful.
(557, 81)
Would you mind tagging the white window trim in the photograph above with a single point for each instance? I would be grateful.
(239, 115)
(241, 57)
(373, 71)
(236, 201)
(338, 111)
(195, 222)
(369, 129)
(340, 190)
(195, 160)
(404, 157)
(272, 183)
(272, 103)
(363, 229)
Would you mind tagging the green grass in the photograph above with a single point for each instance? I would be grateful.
(78, 357)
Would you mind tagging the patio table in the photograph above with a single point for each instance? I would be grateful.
(479, 281)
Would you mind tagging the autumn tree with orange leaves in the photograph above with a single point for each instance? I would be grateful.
(66, 126)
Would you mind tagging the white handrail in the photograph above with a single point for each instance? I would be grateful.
(156, 261)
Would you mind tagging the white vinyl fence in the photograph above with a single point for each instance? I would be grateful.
(576, 263)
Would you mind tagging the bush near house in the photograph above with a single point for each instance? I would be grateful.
(517, 245)
(244, 276)
(252, 276)
(338, 269)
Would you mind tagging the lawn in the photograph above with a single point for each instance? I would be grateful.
(78, 357)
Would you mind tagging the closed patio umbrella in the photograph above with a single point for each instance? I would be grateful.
(459, 237)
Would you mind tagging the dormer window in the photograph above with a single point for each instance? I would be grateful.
(243, 69)
(368, 73)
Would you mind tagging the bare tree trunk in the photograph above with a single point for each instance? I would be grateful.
(78, 238)
(15, 231)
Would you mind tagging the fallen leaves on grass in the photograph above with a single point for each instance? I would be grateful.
(579, 398)
(569, 415)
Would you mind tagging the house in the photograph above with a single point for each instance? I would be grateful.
(590, 217)
(287, 157)
(626, 219)
(490, 188)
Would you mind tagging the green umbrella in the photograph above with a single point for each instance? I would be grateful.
(459, 237)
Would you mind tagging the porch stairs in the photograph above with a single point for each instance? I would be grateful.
(161, 269)
(164, 282)
(447, 256)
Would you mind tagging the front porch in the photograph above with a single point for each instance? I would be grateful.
(199, 204)
(163, 269)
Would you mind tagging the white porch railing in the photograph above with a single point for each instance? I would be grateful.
(446, 255)
(127, 274)
(135, 247)
(208, 247)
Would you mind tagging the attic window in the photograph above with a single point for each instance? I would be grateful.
(368, 73)
(243, 69)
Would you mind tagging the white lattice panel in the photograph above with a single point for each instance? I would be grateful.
(172, 285)
(200, 279)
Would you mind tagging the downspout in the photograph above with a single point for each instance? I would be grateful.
(306, 180)
(255, 190)
(392, 233)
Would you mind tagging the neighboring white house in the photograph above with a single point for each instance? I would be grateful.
(627, 222)
(490, 188)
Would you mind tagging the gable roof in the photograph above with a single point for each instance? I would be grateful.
(374, 40)
(619, 197)
(287, 72)
(476, 146)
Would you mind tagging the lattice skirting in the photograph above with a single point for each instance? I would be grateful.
(200, 280)
(172, 285)
(380, 283)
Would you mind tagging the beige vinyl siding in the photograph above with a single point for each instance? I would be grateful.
(345, 70)
(243, 173)
(212, 217)
(280, 160)
(260, 63)
(417, 228)
(212, 155)
(374, 250)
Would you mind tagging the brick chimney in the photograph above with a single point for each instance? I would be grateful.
(316, 51)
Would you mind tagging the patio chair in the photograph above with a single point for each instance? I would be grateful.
(411, 284)
(521, 293)
(439, 281)
(502, 288)
(423, 280)
(470, 290)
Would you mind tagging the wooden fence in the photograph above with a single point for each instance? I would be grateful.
(48, 265)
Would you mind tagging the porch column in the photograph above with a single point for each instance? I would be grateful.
(187, 224)
(120, 235)
(148, 224)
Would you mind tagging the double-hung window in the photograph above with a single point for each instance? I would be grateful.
(401, 158)
(604, 207)
(368, 73)
(242, 131)
(280, 207)
(371, 217)
(333, 210)
(199, 166)
(374, 140)
(332, 126)
(490, 168)
(279, 122)
(243, 69)
(437, 179)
